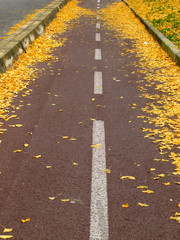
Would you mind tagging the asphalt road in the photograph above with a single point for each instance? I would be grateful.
(13, 11)
(84, 99)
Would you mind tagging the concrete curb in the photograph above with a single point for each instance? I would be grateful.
(167, 45)
(16, 43)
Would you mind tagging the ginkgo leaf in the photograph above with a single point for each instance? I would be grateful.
(142, 187)
(179, 205)
(15, 151)
(93, 99)
(75, 164)
(92, 119)
(8, 229)
(48, 166)
(80, 122)
(65, 137)
(52, 198)
(5, 236)
(38, 156)
(30, 133)
(177, 183)
(73, 139)
(143, 204)
(96, 145)
(128, 177)
(60, 110)
(25, 220)
(156, 178)
(177, 214)
(147, 191)
(19, 125)
(166, 184)
(152, 169)
(107, 170)
(161, 175)
(26, 145)
(65, 200)
(125, 205)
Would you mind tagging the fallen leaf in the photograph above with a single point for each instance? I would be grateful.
(17, 151)
(143, 204)
(5, 236)
(142, 187)
(96, 146)
(128, 177)
(107, 170)
(168, 183)
(18, 125)
(25, 220)
(80, 122)
(75, 164)
(148, 191)
(52, 198)
(8, 229)
(65, 137)
(48, 166)
(93, 99)
(26, 145)
(38, 156)
(152, 169)
(65, 200)
(125, 205)
(60, 110)
(177, 183)
(73, 139)
(161, 175)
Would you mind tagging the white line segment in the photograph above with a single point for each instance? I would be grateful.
(99, 229)
(98, 83)
(98, 17)
(98, 54)
(98, 25)
(98, 1)
(98, 37)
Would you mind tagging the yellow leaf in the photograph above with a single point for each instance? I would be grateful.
(80, 122)
(25, 220)
(52, 198)
(168, 183)
(143, 204)
(177, 214)
(48, 166)
(38, 156)
(26, 144)
(179, 205)
(96, 146)
(5, 236)
(19, 125)
(92, 119)
(65, 137)
(161, 175)
(127, 177)
(148, 191)
(73, 139)
(75, 164)
(60, 110)
(152, 169)
(125, 205)
(142, 187)
(107, 170)
(65, 200)
(30, 133)
(17, 151)
(93, 99)
(156, 178)
(8, 229)
(177, 183)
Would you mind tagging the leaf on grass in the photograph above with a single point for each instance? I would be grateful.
(96, 145)
(15, 151)
(8, 229)
(5, 236)
(143, 204)
(107, 170)
(38, 156)
(125, 205)
(148, 191)
(25, 220)
(142, 187)
(128, 177)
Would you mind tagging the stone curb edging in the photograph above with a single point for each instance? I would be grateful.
(166, 44)
(16, 43)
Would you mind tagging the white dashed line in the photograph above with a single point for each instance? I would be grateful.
(99, 228)
(97, 54)
(98, 1)
(98, 17)
(98, 25)
(98, 37)
(98, 83)
(98, 7)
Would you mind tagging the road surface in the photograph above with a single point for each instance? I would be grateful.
(83, 135)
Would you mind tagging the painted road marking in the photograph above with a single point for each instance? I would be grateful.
(98, 25)
(98, 37)
(98, 54)
(98, 7)
(98, 83)
(99, 228)
(98, 1)
(98, 17)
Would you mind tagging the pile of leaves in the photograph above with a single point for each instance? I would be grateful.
(163, 14)
(23, 72)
